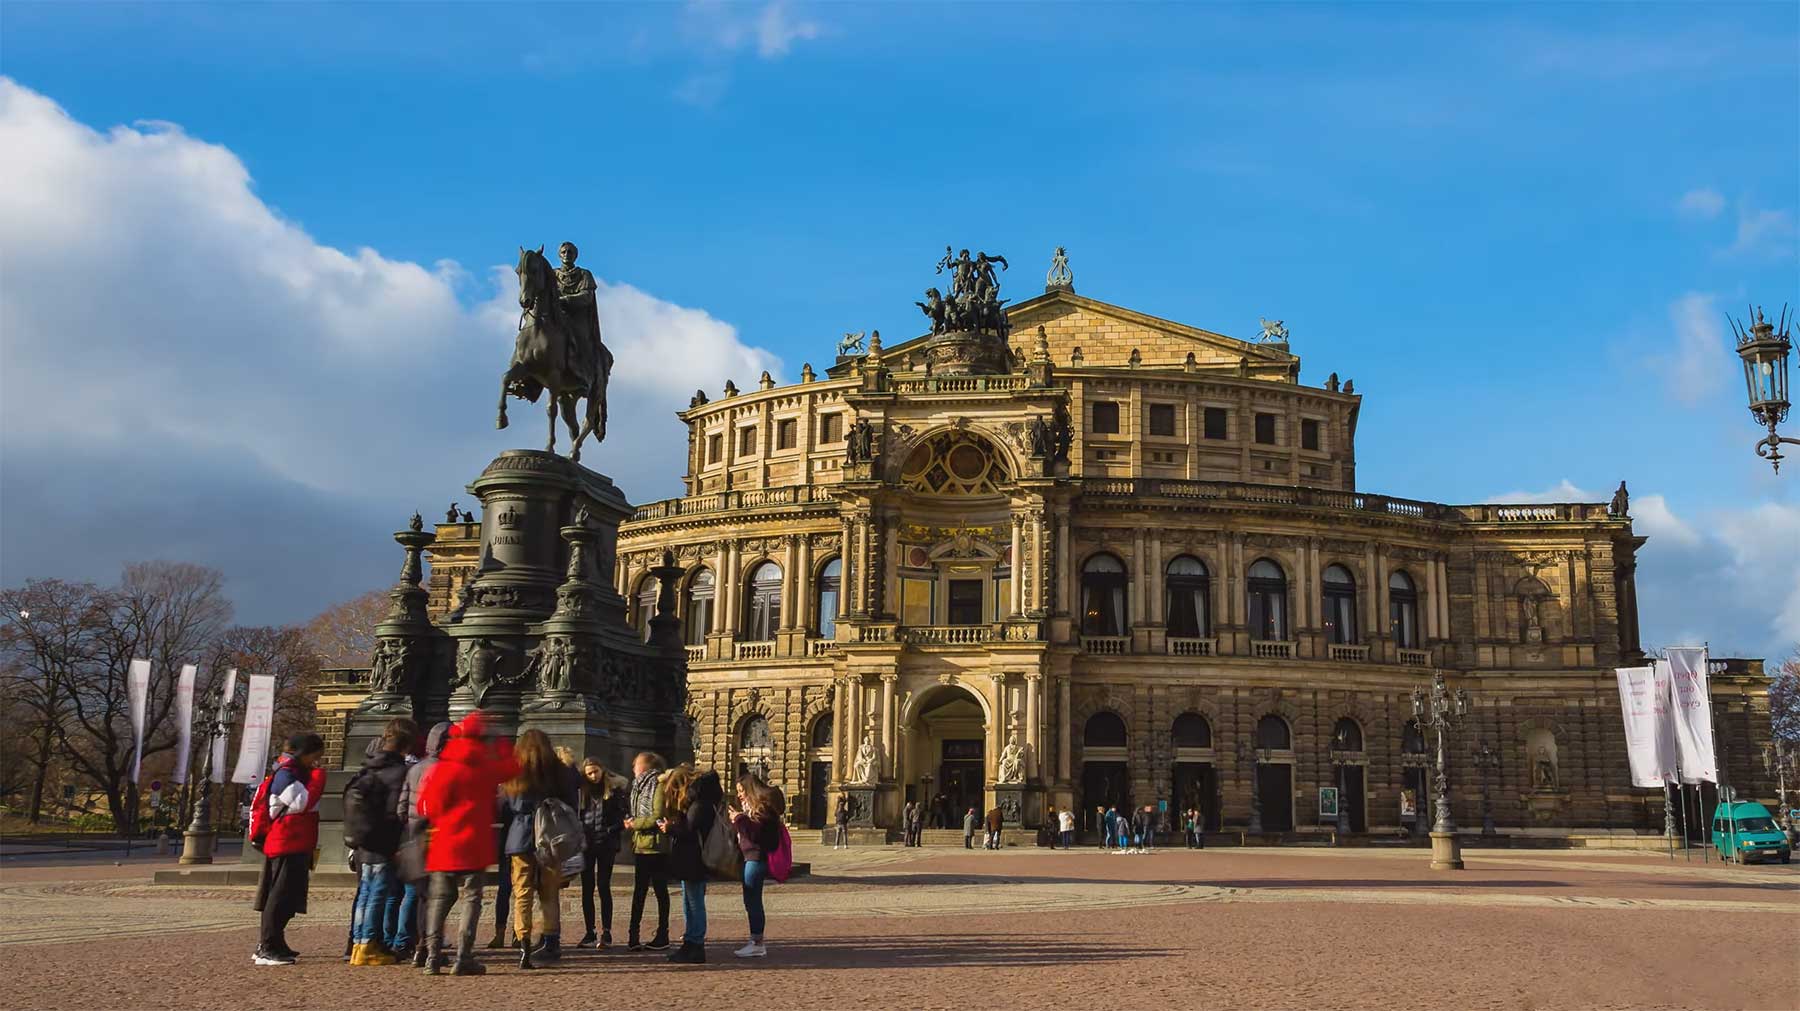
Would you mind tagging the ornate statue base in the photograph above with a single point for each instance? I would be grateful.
(967, 353)
(1544, 805)
(1017, 803)
(541, 639)
(863, 799)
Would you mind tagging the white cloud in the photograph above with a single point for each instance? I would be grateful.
(771, 29)
(1731, 577)
(1704, 203)
(1696, 365)
(1562, 491)
(777, 29)
(1652, 517)
(1762, 231)
(154, 306)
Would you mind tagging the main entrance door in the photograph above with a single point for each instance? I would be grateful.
(815, 794)
(962, 774)
(1275, 790)
(1104, 784)
(1352, 798)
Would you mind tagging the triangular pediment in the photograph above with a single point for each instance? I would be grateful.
(1107, 334)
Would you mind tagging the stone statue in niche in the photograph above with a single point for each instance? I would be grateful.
(867, 768)
(1543, 770)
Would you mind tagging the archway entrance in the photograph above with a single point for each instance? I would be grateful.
(1105, 775)
(948, 754)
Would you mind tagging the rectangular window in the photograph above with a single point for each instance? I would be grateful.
(1215, 423)
(1309, 434)
(1162, 419)
(965, 601)
(915, 601)
(831, 428)
(784, 433)
(715, 448)
(1265, 429)
(746, 442)
(1106, 418)
(1002, 596)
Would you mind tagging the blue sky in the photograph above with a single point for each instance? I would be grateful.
(1517, 228)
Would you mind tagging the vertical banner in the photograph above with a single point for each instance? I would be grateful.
(184, 721)
(221, 736)
(259, 718)
(137, 693)
(1646, 718)
(1693, 714)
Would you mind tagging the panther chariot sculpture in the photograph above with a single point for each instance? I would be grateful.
(558, 350)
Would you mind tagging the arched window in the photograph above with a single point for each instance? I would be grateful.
(1104, 730)
(1340, 605)
(755, 745)
(1268, 601)
(644, 602)
(821, 734)
(825, 598)
(1346, 736)
(700, 594)
(1103, 596)
(1192, 731)
(1403, 610)
(762, 605)
(1189, 598)
(1272, 734)
(1412, 740)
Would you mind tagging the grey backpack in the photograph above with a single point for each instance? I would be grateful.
(556, 833)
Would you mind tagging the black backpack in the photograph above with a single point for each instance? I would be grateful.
(362, 804)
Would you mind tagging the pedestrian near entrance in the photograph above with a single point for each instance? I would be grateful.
(841, 819)
(603, 822)
(456, 799)
(970, 823)
(649, 848)
(1066, 825)
(373, 826)
(693, 801)
(756, 818)
(918, 824)
(284, 824)
(995, 821)
(907, 814)
(1103, 827)
(540, 777)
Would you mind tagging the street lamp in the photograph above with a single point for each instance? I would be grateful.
(1442, 710)
(197, 841)
(1487, 760)
(1764, 347)
(1340, 745)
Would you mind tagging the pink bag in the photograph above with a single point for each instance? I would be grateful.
(781, 862)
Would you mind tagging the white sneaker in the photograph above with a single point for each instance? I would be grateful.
(751, 950)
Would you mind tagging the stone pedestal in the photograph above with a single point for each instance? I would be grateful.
(862, 805)
(196, 847)
(967, 353)
(1010, 799)
(1446, 852)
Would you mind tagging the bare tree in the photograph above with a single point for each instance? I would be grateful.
(50, 632)
(343, 635)
(169, 613)
(1784, 699)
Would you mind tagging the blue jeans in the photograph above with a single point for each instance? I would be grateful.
(1068, 840)
(403, 916)
(693, 912)
(755, 873)
(371, 903)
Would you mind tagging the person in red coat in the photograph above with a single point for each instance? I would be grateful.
(457, 801)
(284, 824)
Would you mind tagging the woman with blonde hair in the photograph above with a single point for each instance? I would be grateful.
(693, 807)
(603, 806)
(756, 818)
(541, 776)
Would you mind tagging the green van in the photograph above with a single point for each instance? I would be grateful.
(1745, 830)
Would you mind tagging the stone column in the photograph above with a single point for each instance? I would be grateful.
(848, 571)
(888, 735)
(802, 613)
(1064, 731)
(1041, 570)
(854, 715)
(1139, 566)
(721, 559)
(1372, 567)
(1016, 592)
(736, 561)
(839, 730)
(1065, 570)
(790, 583)
(1153, 578)
(1033, 739)
(1432, 590)
(1442, 604)
(1380, 630)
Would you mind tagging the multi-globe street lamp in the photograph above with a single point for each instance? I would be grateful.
(1442, 710)
(197, 841)
(1487, 760)
(1764, 347)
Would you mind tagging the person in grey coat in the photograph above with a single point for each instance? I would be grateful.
(406, 805)
(970, 824)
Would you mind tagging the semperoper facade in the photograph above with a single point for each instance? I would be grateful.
(1062, 553)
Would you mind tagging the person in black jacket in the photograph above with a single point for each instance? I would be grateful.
(693, 807)
(603, 807)
(373, 824)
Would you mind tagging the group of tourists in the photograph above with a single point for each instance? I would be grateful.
(425, 820)
(1128, 831)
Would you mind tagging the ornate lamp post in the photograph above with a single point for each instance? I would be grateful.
(1487, 760)
(1442, 710)
(197, 841)
(1764, 347)
(1340, 746)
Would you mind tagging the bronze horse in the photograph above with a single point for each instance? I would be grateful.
(542, 361)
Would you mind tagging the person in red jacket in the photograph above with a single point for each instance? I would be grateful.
(457, 801)
(284, 824)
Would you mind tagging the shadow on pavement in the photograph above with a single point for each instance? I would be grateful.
(920, 952)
